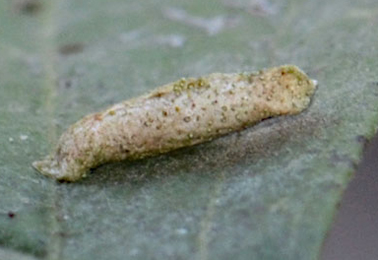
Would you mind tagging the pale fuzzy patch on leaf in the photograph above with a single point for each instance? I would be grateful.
(212, 26)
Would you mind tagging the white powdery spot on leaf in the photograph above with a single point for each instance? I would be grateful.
(254, 7)
(131, 36)
(172, 40)
(23, 137)
(212, 26)
(182, 231)
(140, 37)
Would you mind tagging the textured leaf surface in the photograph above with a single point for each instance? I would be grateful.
(268, 192)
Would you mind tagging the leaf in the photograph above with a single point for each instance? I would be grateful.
(268, 192)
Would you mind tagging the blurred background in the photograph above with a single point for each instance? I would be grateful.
(354, 234)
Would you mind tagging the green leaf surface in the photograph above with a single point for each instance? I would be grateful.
(268, 192)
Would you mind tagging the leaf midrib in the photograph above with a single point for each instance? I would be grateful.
(48, 54)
